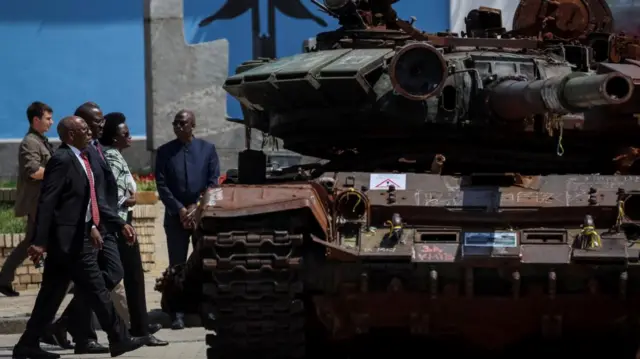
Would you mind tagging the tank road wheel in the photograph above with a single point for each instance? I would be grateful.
(252, 296)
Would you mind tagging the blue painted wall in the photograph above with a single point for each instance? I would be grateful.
(66, 52)
(432, 16)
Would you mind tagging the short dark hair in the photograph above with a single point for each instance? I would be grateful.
(84, 111)
(111, 122)
(37, 109)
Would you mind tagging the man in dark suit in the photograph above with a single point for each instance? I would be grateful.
(185, 167)
(76, 319)
(70, 214)
(35, 150)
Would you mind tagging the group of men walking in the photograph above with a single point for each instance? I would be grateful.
(77, 229)
(78, 202)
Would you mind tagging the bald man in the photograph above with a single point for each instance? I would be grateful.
(185, 167)
(76, 320)
(70, 214)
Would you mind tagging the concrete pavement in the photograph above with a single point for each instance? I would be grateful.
(15, 311)
(184, 344)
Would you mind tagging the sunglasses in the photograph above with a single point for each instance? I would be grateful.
(180, 123)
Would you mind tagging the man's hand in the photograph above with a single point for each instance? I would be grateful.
(129, 234)
(188, 222)
(130, 202)
(96, 238)
(35, 253)
(183, 214)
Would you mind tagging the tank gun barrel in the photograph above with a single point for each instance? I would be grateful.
(513, 99)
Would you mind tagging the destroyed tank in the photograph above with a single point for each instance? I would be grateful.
(478, 189)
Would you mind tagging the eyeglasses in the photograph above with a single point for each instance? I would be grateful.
(179, 123)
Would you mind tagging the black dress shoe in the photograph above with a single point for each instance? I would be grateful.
(128, 345)
(8, 291)
(154, 328)
(177, 324)
(27, 352)
(91, 347)
(155, 342)
(57, 336)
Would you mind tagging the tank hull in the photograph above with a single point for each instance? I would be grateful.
(491, 267)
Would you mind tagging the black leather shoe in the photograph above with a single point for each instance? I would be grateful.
(177, 324)
(155, 342)
(154, 328)
(128, 345)
(8, 291)
(57, 335)
(91, 348)
(27, 352)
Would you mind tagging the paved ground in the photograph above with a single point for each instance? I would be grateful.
(184, 344)
(15, 311)
(23, 304)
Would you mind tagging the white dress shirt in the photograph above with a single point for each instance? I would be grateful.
(77, 153)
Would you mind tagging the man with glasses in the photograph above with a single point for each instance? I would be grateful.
(185, 167)
(77, 318)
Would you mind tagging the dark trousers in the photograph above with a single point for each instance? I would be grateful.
(77, 317)
(134, 284)
(178, 240)
(83, 270)
(18, 255)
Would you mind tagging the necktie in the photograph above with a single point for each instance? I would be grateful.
(97, 146)
(92, 189)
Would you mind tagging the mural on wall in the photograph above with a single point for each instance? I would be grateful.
(264, 45)
(278, 28)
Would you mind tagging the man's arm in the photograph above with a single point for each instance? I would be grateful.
(214, 167)
(173, 205)
(29, 159)
(107, 214)
(52, 185)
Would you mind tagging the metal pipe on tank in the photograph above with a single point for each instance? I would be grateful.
(514, 99)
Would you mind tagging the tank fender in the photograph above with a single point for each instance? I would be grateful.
(232, 201)
(334, 252)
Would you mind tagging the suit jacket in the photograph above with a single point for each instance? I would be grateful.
(64, 196)
(183, 172)
(34, 152)
(108, 184)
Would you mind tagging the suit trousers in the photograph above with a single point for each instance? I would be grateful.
(77, 316)
(90, 287)
(178, 239)
(134, 284)
(18, 254)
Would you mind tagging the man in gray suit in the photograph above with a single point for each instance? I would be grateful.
(35, 150)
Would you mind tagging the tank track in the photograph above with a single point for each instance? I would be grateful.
(254, 295)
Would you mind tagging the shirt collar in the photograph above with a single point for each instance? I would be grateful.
(75, 150)
(182, 144)
(41, 136)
